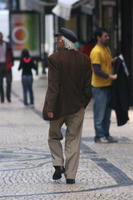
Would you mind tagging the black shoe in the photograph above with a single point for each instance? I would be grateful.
(9, 100)
(111, 139)
(70, 181)
(59, 170)
(2, 100)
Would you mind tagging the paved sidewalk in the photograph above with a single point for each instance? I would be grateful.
(105, 170)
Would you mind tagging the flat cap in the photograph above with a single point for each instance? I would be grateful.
(68, 34)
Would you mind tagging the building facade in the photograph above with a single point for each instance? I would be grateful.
(86, 15)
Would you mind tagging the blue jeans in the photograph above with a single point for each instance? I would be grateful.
(102, 111)
(27, 88)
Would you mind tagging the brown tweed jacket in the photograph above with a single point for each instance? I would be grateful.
(69, 83)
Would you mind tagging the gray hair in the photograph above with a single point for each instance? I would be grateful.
(68, 44)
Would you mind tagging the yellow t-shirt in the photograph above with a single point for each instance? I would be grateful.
(102, 56)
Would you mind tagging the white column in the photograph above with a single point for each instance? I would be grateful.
(22, 4)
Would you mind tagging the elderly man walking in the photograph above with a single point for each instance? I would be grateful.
(68, 94)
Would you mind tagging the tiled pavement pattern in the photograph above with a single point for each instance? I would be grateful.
(105, 170)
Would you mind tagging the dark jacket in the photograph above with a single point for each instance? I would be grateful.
(27, 64)
(68, 83)
(9, 58)
(120, 94)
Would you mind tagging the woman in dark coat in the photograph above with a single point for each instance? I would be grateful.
(27, 64)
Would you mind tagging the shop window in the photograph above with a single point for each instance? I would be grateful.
(109, 22)
(85, 28)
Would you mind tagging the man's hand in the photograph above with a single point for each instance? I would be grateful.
(50, 115)
(113, 76)
(114, 59)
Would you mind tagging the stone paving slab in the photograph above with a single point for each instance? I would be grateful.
(105, 170)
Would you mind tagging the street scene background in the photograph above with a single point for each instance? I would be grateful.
(105, 170)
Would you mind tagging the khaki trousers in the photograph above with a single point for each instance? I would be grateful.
(74, 124)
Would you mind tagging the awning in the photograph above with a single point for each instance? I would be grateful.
(37, 5)
(88, 7)
(63, 8)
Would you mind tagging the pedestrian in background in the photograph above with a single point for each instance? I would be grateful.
(101, 86)
(26, 65)
(68, 93)
(87, 47)
(6, 62)
(44, 62)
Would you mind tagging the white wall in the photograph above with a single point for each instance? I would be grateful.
(4, 23)
(49, 34)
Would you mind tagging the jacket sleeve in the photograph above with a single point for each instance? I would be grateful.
(20, 65)
(33, 66)
(9, 57)
(87, 94)
(53, 85)
(9, 49)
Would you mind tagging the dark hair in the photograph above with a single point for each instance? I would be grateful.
(99, 32)
(25, 53)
